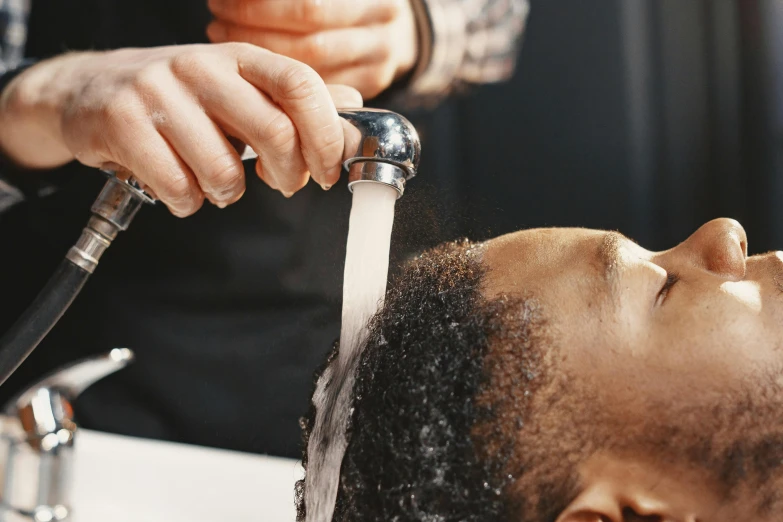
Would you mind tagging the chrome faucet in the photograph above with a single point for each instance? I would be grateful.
(380, 146)
(37, 441)
(384, 149)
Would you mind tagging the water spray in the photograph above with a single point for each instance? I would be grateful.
(387, 156)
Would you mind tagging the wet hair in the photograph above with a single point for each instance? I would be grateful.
(432, 434)
(461, 412)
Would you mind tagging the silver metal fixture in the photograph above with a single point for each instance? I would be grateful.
(386, 148)
(115, 208)
(37, 441)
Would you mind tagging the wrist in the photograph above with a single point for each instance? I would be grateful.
(31, 107)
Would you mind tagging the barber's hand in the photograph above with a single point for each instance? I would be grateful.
(366, 44)
(165, 114)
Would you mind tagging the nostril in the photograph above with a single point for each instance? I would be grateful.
(631, 515)
(725, 255)
(720, 246)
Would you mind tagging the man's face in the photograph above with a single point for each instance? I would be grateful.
(700, 319)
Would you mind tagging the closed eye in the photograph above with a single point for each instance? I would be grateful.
(671, 280)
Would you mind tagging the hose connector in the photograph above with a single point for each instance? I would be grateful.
(113, 211)
(385, 148)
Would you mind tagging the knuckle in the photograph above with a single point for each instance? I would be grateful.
(178, 188)
(188, 209)
(298, 82)
(384, 52)
(122, 112)
(394, 9)
(312, 12)
(329, 149)
(148, 81)
(374, 84)
(315, 50)
(224, 172)
(279, 135)
(190, 64)
(195, 205)
(239, 48)
(241, 11)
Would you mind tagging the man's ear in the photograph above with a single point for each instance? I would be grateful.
(606, 502)
(596, 503)
(615, 490)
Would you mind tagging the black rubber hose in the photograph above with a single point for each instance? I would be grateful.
(30, 329)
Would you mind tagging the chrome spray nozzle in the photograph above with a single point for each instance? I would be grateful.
(380, 147)
(384, 149)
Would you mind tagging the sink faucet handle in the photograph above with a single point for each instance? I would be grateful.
(73, 379)
(37, 440)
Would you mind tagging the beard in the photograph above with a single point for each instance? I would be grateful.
(738, 440)
(733, 437)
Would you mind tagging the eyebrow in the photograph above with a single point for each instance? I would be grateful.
(608, 255)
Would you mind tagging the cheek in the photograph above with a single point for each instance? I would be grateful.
(717, 340)
(698, 348)
(747, 294)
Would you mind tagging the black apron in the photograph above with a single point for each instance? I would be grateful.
(228, 311)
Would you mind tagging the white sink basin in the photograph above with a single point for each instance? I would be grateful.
(121, 479)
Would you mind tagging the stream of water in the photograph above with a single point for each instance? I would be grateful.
(364, 287)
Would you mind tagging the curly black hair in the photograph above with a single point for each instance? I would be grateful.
(462, 412)
(432, 434)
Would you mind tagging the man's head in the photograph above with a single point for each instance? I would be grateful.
(570, 375)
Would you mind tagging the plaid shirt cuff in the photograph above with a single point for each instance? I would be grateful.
(442, 38)
(464, 42)
(13, 32)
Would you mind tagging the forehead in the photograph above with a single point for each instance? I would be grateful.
(542, 260)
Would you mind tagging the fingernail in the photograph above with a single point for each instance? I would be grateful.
(220, 198)
(287, 194)
(238, 197)
(326, 186)
(106, 167)
(227, 194)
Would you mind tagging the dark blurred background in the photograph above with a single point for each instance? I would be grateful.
(646, 116)
(650, 117)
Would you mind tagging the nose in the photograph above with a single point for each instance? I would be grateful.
(720, 246)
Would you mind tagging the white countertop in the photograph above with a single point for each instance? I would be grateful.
(121, 479)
